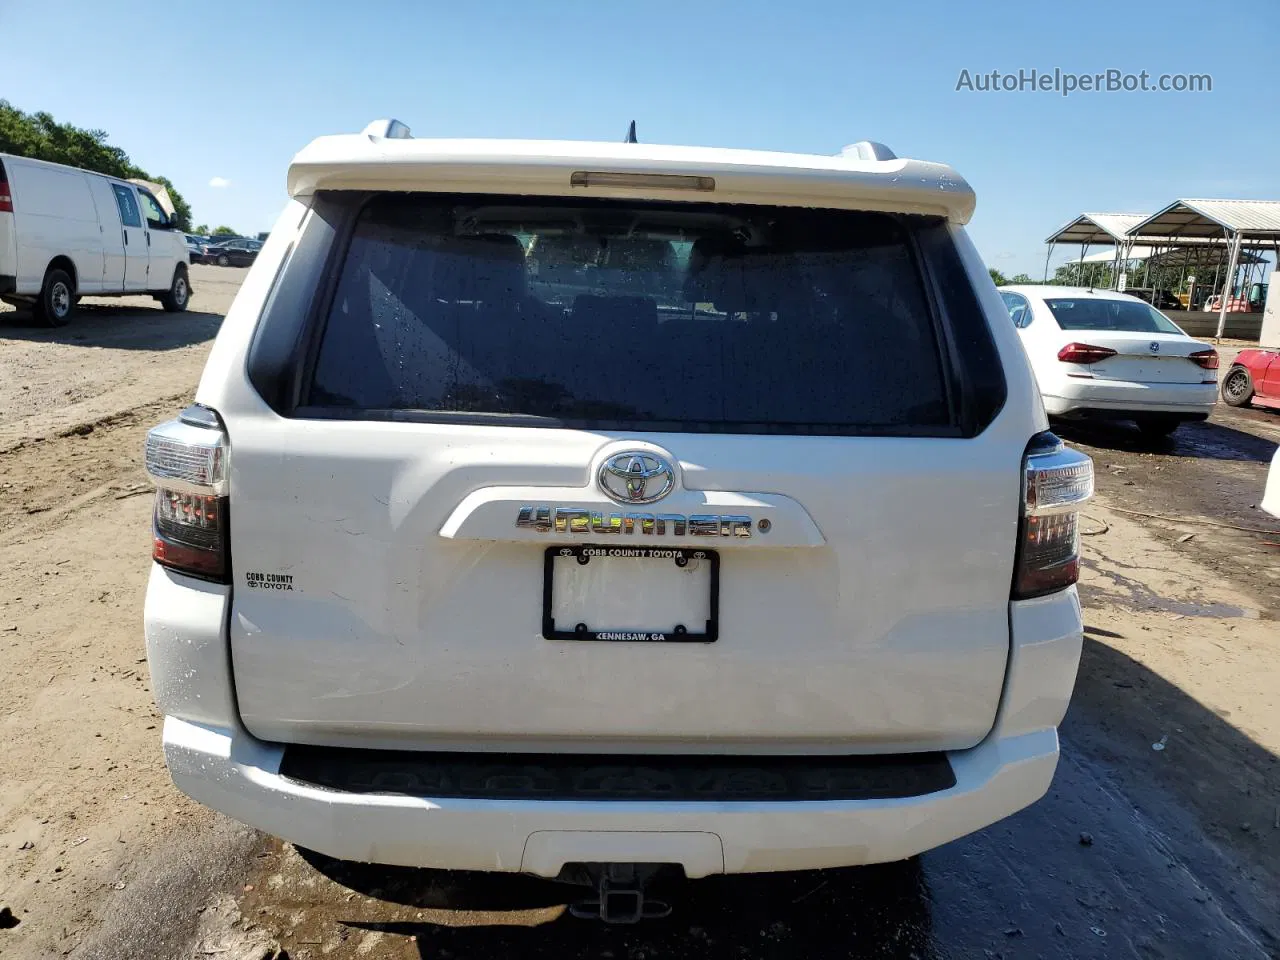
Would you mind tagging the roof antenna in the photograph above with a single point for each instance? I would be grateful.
(631, 134)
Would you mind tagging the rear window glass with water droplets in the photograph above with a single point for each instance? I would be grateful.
(658, 316)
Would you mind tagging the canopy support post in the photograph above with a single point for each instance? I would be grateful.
(1226, 286)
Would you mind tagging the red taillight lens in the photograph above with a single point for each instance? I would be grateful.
(191, 533)
(1056, 482)
(1049, 555)
(1205, 358)
(6, 198)
(187, 459)
(1083, 353)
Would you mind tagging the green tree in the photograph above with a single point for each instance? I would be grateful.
(997, 277)
(202, 230)
(39, 136)
(224, 232)
(1167, 276)
(1020, 278)
(1076, 274)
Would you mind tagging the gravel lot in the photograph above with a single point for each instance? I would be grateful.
(119, 353)
(1136, 852)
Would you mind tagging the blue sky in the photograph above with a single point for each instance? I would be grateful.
(232, 90)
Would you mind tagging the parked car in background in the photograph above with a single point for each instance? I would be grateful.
(756, 613)
(1254, 378)
(1254, 300)
(233, 253)
(1098, 353)
(1160, 299)
(196, 246)
(67, 232)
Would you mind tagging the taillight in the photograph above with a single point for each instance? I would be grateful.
(187, 459)
(1056, 482)
(1205, 358)
(6, 198)
(1084, 353)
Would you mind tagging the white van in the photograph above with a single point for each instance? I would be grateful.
(66, 232)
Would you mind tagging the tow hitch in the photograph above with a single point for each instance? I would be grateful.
(620, 894)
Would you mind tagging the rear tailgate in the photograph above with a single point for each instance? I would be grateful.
(1150, 358)
(823, 381)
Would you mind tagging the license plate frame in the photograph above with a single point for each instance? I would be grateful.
(584, 553)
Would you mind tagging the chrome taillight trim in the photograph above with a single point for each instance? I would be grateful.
(1056, 481)
(189, 454)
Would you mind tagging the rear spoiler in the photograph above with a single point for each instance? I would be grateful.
(865, 176)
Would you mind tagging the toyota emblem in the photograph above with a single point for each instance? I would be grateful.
(636, 477)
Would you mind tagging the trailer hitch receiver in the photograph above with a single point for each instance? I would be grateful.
(620, 896)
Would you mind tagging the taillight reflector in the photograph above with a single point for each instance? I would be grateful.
(1084, 353)
(6, 198)
(1056, 482)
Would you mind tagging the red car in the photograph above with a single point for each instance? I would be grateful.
(1254, 378)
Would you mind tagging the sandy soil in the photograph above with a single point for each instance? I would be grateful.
(84, 793)
(1188, 663)
(118, 353)
(1181, 653)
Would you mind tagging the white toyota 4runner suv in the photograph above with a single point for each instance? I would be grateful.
(579, 508)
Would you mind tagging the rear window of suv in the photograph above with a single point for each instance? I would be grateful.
(605, 314)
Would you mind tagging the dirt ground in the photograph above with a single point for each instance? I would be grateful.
(84, 796)
(1169, 753)
(119, 354)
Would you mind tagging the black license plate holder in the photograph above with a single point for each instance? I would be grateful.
(701, 631)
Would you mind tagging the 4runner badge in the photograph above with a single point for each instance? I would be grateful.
(549, 519)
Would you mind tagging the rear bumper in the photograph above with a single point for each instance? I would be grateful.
(1080, 397)
(232, 772)
(214, 760)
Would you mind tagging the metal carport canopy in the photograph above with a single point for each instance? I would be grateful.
(1253, 224)
(1202, 219)
(1090, 228)
(1108, 229)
